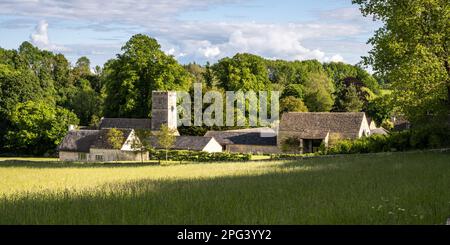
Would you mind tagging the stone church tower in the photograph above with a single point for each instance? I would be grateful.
(164, 109)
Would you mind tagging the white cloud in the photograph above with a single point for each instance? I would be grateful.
(334, 58)
(40, 38)
(326, 39)
(210, 52)
(280, 41)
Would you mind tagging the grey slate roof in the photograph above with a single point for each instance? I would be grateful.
(311, 125)
(195, 143)
(241, 138)
(79, 140)
(83, 140)
(125, 123)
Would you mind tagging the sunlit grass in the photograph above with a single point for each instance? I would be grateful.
(400, 188)
(31, 159)
(35, 178)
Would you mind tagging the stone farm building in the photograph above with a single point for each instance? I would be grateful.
(93, 145)
(255, 140)
(311, 129)
(304, 132)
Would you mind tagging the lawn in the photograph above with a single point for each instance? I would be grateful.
(398, 188)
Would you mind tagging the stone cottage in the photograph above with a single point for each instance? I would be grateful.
(93, 146)
(312, 129)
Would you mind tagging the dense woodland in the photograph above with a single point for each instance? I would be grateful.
(41, 92)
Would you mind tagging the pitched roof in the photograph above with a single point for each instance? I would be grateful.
(318, 124)
(379, 130)
(83, 140)
(79, 140)
(126, 123)
(195, 143)
(241, 138)
(102, 142)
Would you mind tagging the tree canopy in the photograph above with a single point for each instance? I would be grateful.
(411, 51)
(134, 74)
(34, 79)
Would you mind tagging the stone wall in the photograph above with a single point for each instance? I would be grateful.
(67, 156)
(116, 155)
(164, 109)
(107, 156)
(365, 128)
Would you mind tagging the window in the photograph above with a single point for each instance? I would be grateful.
(99, 158)
(82, 156)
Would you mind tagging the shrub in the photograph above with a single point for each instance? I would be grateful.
(396, 141)
(198, 156)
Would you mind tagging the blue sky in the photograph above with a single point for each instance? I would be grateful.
(191, 30)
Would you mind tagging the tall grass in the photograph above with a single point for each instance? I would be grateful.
(400, 188)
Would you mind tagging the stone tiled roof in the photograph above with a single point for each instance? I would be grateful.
(79, 140)
(102, 139)
(244, 137)
(125, 123)
(83, 140)
(195, 143)
(379, 130)
(312, 125)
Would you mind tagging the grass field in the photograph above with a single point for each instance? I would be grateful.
(400, 188)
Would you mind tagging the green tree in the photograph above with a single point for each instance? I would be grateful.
(209, 77)
(116, 139)
(16, 86)
(411, 51)
(197, 71)
(295, 90)
(292, 104)
(37, 127)
(352, 103)
(339, 72)
(134, 74)
(166, 138)
(319, 90)
(242, 72)
(141, 143)
(380, 109)
(86, 103)
(348, 100)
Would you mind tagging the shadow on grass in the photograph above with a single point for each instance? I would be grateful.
(58, 164)
(371, 195)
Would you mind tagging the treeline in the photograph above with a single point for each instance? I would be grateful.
(42, 93)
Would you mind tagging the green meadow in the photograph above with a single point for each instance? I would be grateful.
(391, 188)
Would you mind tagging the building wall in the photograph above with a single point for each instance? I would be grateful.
(116, 155)
(164, 109)
(283, 135)
(253, 149)
(108, 156)
(365, 128)
(67, 156)
(213, 146)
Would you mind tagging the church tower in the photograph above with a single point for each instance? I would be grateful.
(164, 109)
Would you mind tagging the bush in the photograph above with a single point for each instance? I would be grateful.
(395, 141)
(198, 156)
